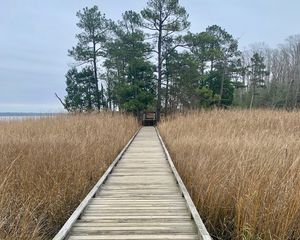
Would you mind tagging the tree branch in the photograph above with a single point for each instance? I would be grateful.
(172, 49)
(61, 101)
(150, 28)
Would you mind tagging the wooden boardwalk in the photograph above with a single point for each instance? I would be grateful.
(141, 196)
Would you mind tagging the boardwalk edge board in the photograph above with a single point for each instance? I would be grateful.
(63, 233)
(202, 231)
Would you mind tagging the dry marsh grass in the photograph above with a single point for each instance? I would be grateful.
(242, 169)
(47, 166)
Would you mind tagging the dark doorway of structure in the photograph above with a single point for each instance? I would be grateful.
(149, 119)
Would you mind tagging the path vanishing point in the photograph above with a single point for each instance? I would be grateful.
(140, 196)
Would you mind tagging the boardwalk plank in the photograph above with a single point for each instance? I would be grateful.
(136, 237)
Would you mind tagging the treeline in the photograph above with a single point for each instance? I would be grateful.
(149, 60)
(280, 87)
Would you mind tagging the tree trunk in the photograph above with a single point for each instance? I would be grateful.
(159, 69)
(253, 96)
(89, 97)
(102, 97)
(222, 86)
(109, 90)
(167, 95)
(96, 76)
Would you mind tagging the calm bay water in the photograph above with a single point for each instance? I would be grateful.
(23, 116)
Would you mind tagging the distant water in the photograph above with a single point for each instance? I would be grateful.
(8, 116)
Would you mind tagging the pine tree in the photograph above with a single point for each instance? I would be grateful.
(257, 73)
(91, 40)
(164, 18)
(130, 73)
(81, 90)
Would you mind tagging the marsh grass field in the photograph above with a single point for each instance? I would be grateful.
(47, 166)
(242, 169)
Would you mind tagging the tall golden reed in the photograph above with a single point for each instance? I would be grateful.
(242, 169)
(47, 167)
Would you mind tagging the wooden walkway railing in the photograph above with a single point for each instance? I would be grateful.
(141, 196)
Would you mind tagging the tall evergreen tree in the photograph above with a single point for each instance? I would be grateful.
(81, 90)
(91, 40)
(223, 54)
(257, 73)
(164, 18)
(200, 45)
(130, 71)
(217, 55)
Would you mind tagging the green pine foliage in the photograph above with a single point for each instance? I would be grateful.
(147, 60)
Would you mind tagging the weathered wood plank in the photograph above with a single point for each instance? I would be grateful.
(137, 218)
(82, 223)
(135, 237)
(131, 230)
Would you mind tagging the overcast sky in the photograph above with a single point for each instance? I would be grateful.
(35, 36)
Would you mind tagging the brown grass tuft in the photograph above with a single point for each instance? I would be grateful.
(47, 167)
(242, 169)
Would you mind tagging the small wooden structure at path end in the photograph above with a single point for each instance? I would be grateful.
(140, 196)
